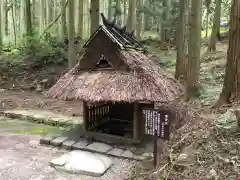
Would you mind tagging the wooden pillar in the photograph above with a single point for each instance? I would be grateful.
(85, 116)
(135, 121)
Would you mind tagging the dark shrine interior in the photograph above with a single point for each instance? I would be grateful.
(113, 119)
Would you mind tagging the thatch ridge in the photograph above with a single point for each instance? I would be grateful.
(146, 82)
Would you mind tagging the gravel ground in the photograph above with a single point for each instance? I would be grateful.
(22, 158)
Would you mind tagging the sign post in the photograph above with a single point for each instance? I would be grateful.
(157, 125)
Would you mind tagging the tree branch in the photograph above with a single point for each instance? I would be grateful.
(54, 21)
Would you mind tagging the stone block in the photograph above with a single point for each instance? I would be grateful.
(46, 139)
(68, 144)
(58, 141)
(127, 154)
(81, 162)
(99, 147)
(115, 152)
(79, 145)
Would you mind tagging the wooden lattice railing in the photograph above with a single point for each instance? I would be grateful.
(97, 114)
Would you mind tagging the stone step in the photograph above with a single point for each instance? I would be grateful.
(42, 116)
(94, 147)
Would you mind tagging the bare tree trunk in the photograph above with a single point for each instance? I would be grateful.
(49, 11)
(140, 24)
(125, 16)
(63, 20)
(80, 17)
(14, 22)
(71, 34)
(181, 60)
(216, 27)
(193, 67)
(110, 13)
(231, 86)
(1, 37)
(132, 18)
(42, 16)
(28, 19)
(6, 18)
(95, 16)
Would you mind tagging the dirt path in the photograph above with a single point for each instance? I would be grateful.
(22, 158)
(23, 99)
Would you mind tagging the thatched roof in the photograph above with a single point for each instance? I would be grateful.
(146, 82)
(117, 34)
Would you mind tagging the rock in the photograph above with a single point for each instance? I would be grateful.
(46, 139)
(233, 152)
(182, 157)
(79, 145)
(127, 154)
(147, 154)
(62, 160)
(58, 141)
(99, 147)
(227, 120)
(212, 173)
(83, 162)
(139, 158)
(68, 144)
(115, 152)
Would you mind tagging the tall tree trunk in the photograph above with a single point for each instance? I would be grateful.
(80, 17)
(181, 49)
(71, 35)
(140, 24)
(14, 21)
(164, 30)
(125, 13)
(1, 35)
(42, 16)
(231, 86)
(95, 16)
(63, 19)
(110, 10)
(207, 20)
(118, 12)
(132, 18)
(49, 11)
(6, 18)
(216, 27)
(33, 7)
(193, 67)
(22, 17)
(28, 20)
(2, 20)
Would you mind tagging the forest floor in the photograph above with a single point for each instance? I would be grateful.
(213, 151)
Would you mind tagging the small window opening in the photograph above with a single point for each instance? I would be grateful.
(103, 63)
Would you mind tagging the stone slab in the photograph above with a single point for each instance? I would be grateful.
(43, 116)
(99, 147)
(68, 144)
(139, 157)
(79, 145)
(58, 141)
(82, 162)
(127, 154)
(46, 139)
(115, 152)
(62, 160)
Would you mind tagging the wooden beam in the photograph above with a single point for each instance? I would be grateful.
(85, 116)
(135, 121)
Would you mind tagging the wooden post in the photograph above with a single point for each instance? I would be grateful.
(85, 116)
(135, 121)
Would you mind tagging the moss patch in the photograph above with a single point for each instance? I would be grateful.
(36, 131)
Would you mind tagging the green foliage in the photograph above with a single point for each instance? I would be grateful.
(50, 46)
(226, 120)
